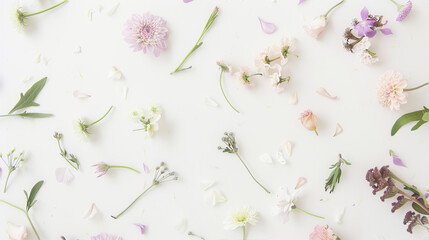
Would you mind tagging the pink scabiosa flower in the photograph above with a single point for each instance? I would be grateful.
(309, 121)
(403, 9)
(105, 236)
(323, 233)
(390, 90)
(243, 77)
(146, 32)
(278, 79)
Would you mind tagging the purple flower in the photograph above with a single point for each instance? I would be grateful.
(370, 24)
(147, 33)
(404, 10)
(396, 160)
(105, 236)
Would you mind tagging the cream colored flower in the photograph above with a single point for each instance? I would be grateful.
(264, 61)
(390, 90)
(309, 121)
(317, 26)
(240, 218)
(286, 48)
(16, 232)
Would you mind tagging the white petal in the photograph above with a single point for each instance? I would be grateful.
(181, 225)
(339, 215)
(45, 61)
(77, 49)
(122, 91)
(266, 158)
(206, 184)
(16, 232)
(288, 147)
(325, 93)
(26, 78)
(80, 95)
(301, 181)
(338, 130)
(90, 213)
(280, 158)
(113, 9)
(214, 197)
(63, 175)
(115, 74)
(90, 12)
(37, 58)
(210, 102)
(293, 99)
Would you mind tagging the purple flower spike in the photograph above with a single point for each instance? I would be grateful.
(141, 227)
(404, 10)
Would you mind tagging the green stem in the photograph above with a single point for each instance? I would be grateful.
(412, 89)
(198, 43)
(244, 232)
(413, 199)
(255, 74)
(101, 117)
(26, 214)
(221, 88)
(7, 179)
(412, 187)
(117, 216)
(332, 8)
(314, 215)
(32, 14)
(266, 190)
(63, 155)
(126, 167)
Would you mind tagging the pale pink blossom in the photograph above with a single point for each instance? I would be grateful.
(101, 168)
(243, 77)
(146, 32)
(322, 233)
(16, 232)
(390, 90)
(264, 61)
(309, 120)
(317, 26)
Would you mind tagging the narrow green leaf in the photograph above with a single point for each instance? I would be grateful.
(34, 115)
(418, 125)
(405, 119)
(33, 194)
(27, 99)
(419, 209)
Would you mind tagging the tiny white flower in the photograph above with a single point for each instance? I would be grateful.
(367, 57)
(362, 45)
(240, 218)
(285, 201)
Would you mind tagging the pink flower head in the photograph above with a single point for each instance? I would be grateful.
(390, 90)
(243, 77)
(146, 32)
(101, 168)
(404, 10)
(309, 121)
(322, 233)
(105, 236)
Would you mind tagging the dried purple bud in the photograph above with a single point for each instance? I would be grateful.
(390, 191)
(401, 200)
(408, 216)
(384, 171)
(413, 223)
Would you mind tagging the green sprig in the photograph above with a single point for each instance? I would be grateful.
(421, 116)
(335, 175)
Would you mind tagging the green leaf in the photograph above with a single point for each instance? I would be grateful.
(34, 115)
(419, 209)
(33, 193)
(418, 125)
(405, 119)
(27, 99)
(425, 117)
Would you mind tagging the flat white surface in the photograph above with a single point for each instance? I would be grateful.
(190, 131)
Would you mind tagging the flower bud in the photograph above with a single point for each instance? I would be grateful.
(309, 121)
(317, 26)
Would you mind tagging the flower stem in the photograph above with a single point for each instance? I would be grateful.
(412, 89)
(7, 179)
(266, 190)
(244, 232)
(126, 167)
(255, 74)
(198, 43)
(26, 214)
(411, 187)
(147, 189)
(101, 117)
(314, 215)
(47, 9)
(221, 88)
(315, 130)
(413, 199)
(332, 8)
(64, 156)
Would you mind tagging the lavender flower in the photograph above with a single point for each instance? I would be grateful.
(370, 24)
(403, 9)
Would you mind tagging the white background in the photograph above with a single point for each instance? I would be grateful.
(190, 131)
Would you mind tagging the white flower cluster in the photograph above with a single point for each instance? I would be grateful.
(149, 118)
(361, 49)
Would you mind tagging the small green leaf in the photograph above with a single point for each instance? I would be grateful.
(34, 115)
(425, 117)
(419, 209)
(33, 193)
(405, 119)
(27, 99)
(418, 125)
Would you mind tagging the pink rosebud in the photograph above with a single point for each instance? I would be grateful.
(309, 121)
(317, 26)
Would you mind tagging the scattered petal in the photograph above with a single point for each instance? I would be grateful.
(386, 31)
(280, 158)
(325, 93)
(37, 58)
(288, 147)
(339, 215)
(77, 49)
(338, 130)
(206, 184)
(398, 162)
(90, 213)
(181, 225)
(214, 197)
(187, 1)
(301, 1)
(301, 181)
(45, 61)
(210, 102)
(115, 74)
(26, 78)
(267, 27)
(113, 9)
(63, 175)
(266, 158)
(145, 168)
(90, 12)
(16, 232)
(293, 99)
(141, 227)
(122, 91)
(80, 95)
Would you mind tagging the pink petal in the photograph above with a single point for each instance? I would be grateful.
(141, 227)
(325, 93)
(267, 27)
(186, 1)
(338, 130)
(398, 162)
(386, 31)
(80, 95)
(301, 181)
(301, 1)
(63, 175)
(90, 213)
(364, 13)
